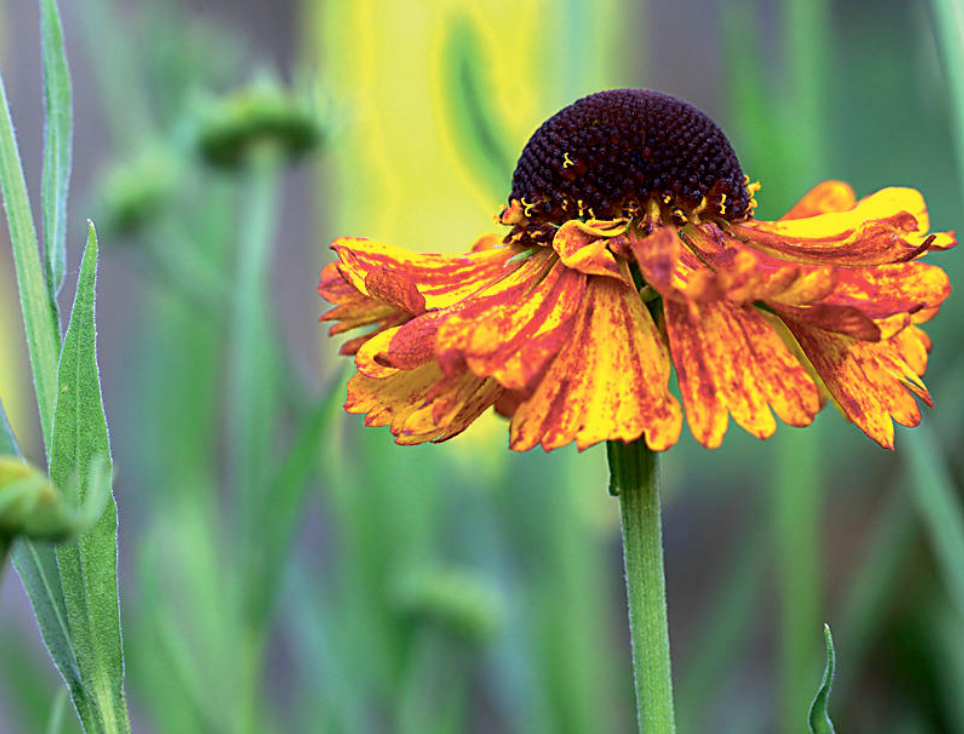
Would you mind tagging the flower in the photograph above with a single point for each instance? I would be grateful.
(633, 247)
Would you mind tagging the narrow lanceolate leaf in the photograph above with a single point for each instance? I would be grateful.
(36, 563)
(820, 722)
(88, 565)
(43, 339)
(57, 146)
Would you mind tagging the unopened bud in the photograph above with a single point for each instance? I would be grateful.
(264, 114)
(459, 601)
(30, 505)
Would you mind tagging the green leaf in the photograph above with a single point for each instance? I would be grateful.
(820, 722)
(57, 146)
(88, 565)
(39, 319)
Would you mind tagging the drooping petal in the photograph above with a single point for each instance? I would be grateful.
(510, 334)
(509, 330)
(421, 404)
(354, 310)
(609, 382)
(872, 303)
(886, 227)
(414, 282)
(584, 246)
(829, 196)
(672, 268)
(871, 382)
(886, 290)
(730, 361)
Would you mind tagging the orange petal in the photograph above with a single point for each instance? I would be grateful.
(886, 290)
(422, 404)
(416, 282)
(730, 361)
(672, 268)
(869, 381)
(914, 346)
(609, 382)
(829, 196)
(584, 246)
(510, 333)
(354, 310)
(886, 227)
(840, 319)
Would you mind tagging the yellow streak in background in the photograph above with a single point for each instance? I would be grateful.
(14, 386)
(399, 175)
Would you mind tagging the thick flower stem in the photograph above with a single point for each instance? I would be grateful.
(633, 479)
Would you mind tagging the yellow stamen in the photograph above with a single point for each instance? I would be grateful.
(567, 161)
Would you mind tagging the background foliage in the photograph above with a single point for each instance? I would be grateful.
(283, 569)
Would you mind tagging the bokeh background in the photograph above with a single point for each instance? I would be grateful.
(344, 584)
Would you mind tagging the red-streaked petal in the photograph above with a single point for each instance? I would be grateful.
(730, 361)
(422, 404)
(840, 319)
(886, 227)
(610, 381)
(914, 347)
(511, 334)
(871, 382)
(355, 310)
(829, 196)
(885, 290)
(873, 303)
(672, 268)
(585, 248)
(416, 282)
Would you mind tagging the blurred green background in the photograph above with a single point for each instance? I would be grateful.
(284, 570)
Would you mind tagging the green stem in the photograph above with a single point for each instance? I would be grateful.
(633, 478)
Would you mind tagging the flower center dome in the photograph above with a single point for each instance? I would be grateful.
(609, 154)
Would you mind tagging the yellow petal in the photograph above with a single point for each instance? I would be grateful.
(730, 361)
(610, 381)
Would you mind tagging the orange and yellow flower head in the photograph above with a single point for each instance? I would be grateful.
(632, 249)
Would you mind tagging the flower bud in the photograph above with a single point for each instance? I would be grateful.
(30, 505)
(459, 601)
(136, 191)
(263, 114)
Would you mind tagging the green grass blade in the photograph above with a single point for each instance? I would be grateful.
(43, 339)
(57, 146)
(288, 487)
(948, 18)
(820, 722)
(55, 725)
(88, 565)
(939, 507)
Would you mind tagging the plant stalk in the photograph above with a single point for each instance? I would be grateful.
(633, 478)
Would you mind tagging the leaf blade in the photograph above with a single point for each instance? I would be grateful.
(58, 132)
(43, 339)
(88, 564)
(819, 718)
